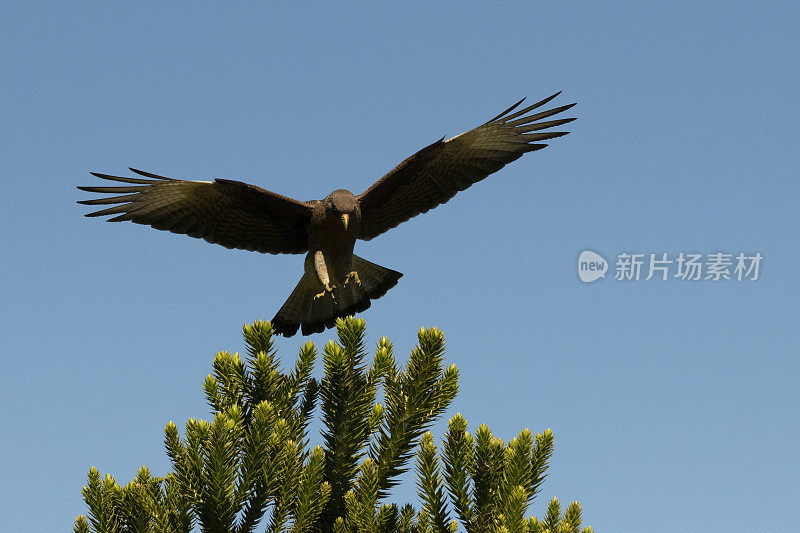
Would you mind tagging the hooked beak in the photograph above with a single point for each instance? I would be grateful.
(345, 220)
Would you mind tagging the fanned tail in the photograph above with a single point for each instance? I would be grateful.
(303, 310)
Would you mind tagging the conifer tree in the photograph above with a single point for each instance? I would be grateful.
(251, 467)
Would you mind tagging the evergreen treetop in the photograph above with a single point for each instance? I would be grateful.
(252, 466)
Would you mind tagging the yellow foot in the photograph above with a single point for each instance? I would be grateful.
(352, 277)
(328, 290)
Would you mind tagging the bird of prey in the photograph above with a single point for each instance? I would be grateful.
(335, 282)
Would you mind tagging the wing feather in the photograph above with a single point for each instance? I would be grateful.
(225, 212)
(437, 172)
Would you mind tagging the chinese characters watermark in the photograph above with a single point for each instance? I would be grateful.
(717, 266)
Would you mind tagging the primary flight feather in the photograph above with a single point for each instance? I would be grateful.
(335, 282)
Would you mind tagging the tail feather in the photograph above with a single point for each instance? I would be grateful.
(302, 310)
(295, 308)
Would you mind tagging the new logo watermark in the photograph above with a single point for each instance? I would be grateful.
(591, 266)
(716, 266)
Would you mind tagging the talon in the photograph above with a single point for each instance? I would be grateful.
(326, 291)
(352, 277)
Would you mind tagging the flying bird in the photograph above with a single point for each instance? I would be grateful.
(335, 281)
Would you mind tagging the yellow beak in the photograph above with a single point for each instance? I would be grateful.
(345, 220)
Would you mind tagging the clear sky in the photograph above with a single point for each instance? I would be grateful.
(674, 403)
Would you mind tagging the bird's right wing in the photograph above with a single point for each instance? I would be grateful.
(225, 212)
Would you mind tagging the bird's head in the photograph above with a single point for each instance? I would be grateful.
(343, 205)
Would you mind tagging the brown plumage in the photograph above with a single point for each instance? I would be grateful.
(335, 282)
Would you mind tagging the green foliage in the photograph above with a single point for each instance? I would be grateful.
(252, 462)
(145, 504)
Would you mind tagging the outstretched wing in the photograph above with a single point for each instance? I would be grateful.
(230, 213)
(437, 172)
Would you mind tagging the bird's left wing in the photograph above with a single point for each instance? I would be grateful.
(225, 212)
(437, 172)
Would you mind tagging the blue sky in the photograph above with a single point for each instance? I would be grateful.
(674, 403)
